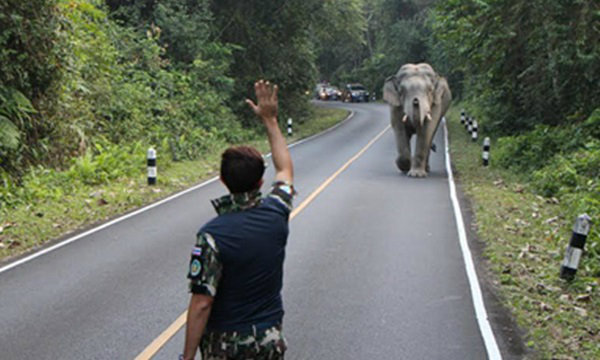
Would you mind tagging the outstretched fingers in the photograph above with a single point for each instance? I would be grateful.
(274, 93)
(264, 90)
(252, 105)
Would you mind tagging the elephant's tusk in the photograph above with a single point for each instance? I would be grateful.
(428, 117)
(404, 118)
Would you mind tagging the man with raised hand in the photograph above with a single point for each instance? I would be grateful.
(236, 266)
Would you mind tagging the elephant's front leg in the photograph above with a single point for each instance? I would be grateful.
(402, 140)
(420, 161)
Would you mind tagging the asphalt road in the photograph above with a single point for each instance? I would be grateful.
(373, 267)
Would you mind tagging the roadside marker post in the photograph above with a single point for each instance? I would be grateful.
(289, 127)
(462, 116)
(486, 151)
(581, 229)
(151, 160)
(469, 124)
(474, 131)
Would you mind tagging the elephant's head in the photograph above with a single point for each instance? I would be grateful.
(412, 89)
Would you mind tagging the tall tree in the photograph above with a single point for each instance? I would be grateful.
(339, 35)
(274, 42)
(30, 70)
(184, 26)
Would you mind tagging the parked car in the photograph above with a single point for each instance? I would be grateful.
(355, 93)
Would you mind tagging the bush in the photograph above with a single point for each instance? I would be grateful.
(534, 149)
(559, 176)
(570, 173)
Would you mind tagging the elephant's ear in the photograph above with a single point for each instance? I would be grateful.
(442, 95)
(391, 95)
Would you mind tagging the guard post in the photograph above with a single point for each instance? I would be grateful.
(462, 116)
(486, 151)
(289, 127)
(474, 131)
(581, 229)
(151, 160)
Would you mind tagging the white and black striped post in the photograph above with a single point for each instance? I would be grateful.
(289, 127)
(474, 131)
(151, 159)
(469, 124)
(486, 151)
(568, 269)
(463, 116)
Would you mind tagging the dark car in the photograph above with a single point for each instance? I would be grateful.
(355, 93)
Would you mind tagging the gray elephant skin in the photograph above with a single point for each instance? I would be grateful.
(418, 97)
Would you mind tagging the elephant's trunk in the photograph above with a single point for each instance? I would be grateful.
(418, 110)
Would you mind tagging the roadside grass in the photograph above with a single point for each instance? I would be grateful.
(27, 227)
(525, 237)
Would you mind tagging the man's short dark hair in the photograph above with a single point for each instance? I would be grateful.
(242, 168)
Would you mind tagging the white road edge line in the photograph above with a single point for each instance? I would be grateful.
(485, 328)
(148, 207)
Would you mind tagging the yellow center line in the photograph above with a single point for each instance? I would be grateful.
(166, 335)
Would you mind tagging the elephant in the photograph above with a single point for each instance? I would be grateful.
(418, 98)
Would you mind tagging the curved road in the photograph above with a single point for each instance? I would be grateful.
(373, 267)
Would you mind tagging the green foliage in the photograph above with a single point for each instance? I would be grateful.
(396, 34)
(117, 87)
(106, 162)
(339, 36)
(31, 61)
(15, 113)
(526, 62)
(575, 172)
(30, 54)
(534, 149)
(537, 148)
(273, 41)
(181, 27)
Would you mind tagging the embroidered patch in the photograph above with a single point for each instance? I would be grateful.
(197, 251)
(195, 267)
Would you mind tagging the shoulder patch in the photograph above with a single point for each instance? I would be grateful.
(195, 267)
(205, 268)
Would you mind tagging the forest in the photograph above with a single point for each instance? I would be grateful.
(87, 84)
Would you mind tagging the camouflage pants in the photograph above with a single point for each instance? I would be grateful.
(266, 344)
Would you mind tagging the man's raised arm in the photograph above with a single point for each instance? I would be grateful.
(266, 109)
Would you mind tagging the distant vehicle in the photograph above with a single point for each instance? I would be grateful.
(355, 93)
(319, 90)
(327, 92)
(332, 93)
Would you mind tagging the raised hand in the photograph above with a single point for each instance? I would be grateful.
(267, 104)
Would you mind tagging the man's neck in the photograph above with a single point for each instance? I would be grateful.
(235, 202)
